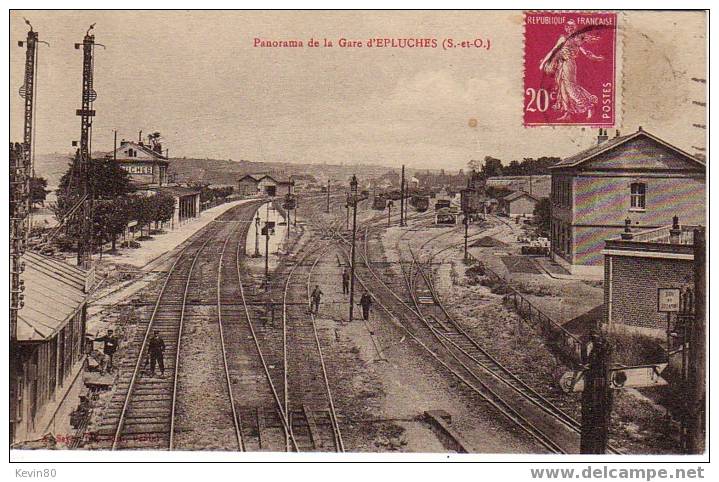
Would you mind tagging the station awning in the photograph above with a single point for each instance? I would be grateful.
(54, 292)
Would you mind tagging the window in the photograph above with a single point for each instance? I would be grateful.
(638, 196)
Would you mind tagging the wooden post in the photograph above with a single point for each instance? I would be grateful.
(401, 200)
(596, 398)
(697, 351)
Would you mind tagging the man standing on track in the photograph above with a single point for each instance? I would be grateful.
(366, 304)
(345, 281)
(157, 353)
(315, 298)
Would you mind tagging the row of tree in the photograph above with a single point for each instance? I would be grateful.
(115, 203)
(493, 167)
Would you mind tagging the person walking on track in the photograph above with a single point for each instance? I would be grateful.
(157, 353)
(315, 298)
(366, 304)
(345, 281)
(109, 348)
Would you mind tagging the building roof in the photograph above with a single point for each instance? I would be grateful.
(177, 191)
(156, 156)
(517, 195)
(257, 177)
(587, 154)
(54, 292)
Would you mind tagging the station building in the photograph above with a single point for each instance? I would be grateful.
(637, 177)
(146, 164)
(636, 266)
(47, 345)
(264, 185)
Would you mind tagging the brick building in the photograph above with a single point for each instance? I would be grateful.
(638, 176)
(636, 266)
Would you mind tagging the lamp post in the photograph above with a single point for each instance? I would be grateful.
(353, 186)
(257, 236)
(466, 230)
(347, 218)
(267, 255)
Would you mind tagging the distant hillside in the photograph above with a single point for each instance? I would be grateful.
(219, 171)
(52, 167)
(215, 171)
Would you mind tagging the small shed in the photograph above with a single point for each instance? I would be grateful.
(518, 203)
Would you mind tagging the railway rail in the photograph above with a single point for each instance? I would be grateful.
(143, 411)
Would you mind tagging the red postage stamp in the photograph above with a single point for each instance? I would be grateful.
(570, 68)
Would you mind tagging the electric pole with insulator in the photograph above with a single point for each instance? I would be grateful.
(353, 189)
(21, 172)
(83, 162)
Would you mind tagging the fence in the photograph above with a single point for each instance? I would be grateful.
(565, 343)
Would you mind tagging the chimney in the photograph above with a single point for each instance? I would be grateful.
(602, 137)
(627, 234)
(616, 133)
(675, 233)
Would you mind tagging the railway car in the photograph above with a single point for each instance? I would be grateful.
(420, 203)
(471, 201)
(379, 203)
(442, 204)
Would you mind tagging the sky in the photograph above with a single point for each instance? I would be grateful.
(196, 78)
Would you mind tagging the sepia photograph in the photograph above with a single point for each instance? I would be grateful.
(470, 235)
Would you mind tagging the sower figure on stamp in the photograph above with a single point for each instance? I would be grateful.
(366, 304)
(345, 281)
(571, 97)
(109, 348)
(315, 298)
(156, 351)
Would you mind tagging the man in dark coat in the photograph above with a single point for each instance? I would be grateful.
(110, 343)
(345, 281)
(366, 304)
(157, 353)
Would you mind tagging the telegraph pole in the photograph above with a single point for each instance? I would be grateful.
(401, 200)
(353, 186)
(596, 398)
(328, 197)
(83, 156)
(21, 170)
(697, 351)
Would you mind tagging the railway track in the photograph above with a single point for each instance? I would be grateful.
(261, 421)
(147, 412)
(309, 405)
(425, 297)
(408, 315)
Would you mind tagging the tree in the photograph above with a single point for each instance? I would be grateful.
(542, 216)
(38, 190)
(110, 219)
(492, 167)
(141, 209)
(163, 207)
